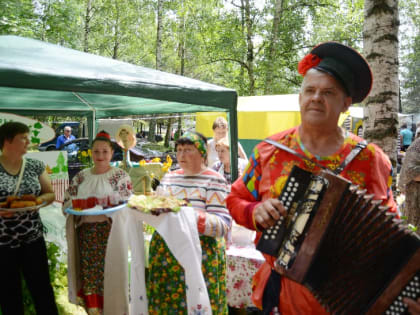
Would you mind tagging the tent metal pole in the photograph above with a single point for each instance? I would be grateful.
(91, 120)
(233, 135)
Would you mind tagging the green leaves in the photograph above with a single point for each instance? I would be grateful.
(410, 55)
(251, 46)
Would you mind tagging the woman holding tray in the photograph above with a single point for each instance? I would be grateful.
(206, 191)
(94, 244)
(22, 245)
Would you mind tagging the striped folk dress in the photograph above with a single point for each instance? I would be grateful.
(206, 192)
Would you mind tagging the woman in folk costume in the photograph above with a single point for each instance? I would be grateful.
(206, 191)
(95, 241)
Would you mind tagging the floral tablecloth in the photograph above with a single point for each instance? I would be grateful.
(242, 264)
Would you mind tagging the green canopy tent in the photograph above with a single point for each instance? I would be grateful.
(38, 78)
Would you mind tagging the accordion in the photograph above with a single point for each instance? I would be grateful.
(342, 245)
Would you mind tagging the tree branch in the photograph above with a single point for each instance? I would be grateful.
(240, 62)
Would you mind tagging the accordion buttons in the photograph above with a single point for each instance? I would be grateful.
(411, 290)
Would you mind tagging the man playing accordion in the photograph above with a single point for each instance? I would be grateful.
(334, 77)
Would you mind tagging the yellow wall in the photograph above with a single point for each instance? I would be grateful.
(251, 125)
(204, 122)
(254, 125)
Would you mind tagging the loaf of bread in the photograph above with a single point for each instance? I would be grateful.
(24, 201)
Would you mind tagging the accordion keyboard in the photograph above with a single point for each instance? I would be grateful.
(300, 221)
(292, 194)
(411, 290)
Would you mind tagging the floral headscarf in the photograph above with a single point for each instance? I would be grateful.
(198, 142)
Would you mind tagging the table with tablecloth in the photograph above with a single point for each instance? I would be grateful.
(180, 233)
(179, 230)
(242, 263)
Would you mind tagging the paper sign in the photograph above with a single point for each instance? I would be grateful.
(39, 132)
(55, 162)
(57, 169)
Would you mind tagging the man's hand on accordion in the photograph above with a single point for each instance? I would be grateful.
(268, 212)
(413, 306)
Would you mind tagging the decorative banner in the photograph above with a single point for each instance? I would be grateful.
(57, 169)
(39, 132)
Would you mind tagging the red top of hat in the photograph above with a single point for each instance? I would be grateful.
(103, 134)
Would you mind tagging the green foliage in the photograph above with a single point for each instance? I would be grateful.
(17, 17)
(410, 56)
(339, 21)
(58, 270)
(148, 229)
(217, 41)
(58, 276)
(59, 22)
(412, 227)
(155, 146)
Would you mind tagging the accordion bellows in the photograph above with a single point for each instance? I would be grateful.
(341, 244)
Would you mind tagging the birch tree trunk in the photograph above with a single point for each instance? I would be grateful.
(151, 137)
(116, 36)
(159, 33)
(250, 46)
(88, 17)
(168, 132)
(380, 39)
(182, 43)
(274, 38)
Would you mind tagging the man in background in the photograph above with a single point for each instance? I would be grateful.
(406, 136)
(64, 138)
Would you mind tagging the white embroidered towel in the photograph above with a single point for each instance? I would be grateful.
(138, 295)
(179, 230)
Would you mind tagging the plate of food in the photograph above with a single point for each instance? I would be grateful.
(96, 210)
(22, 203)
(156, 204)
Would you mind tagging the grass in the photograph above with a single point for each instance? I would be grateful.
(158, 146)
